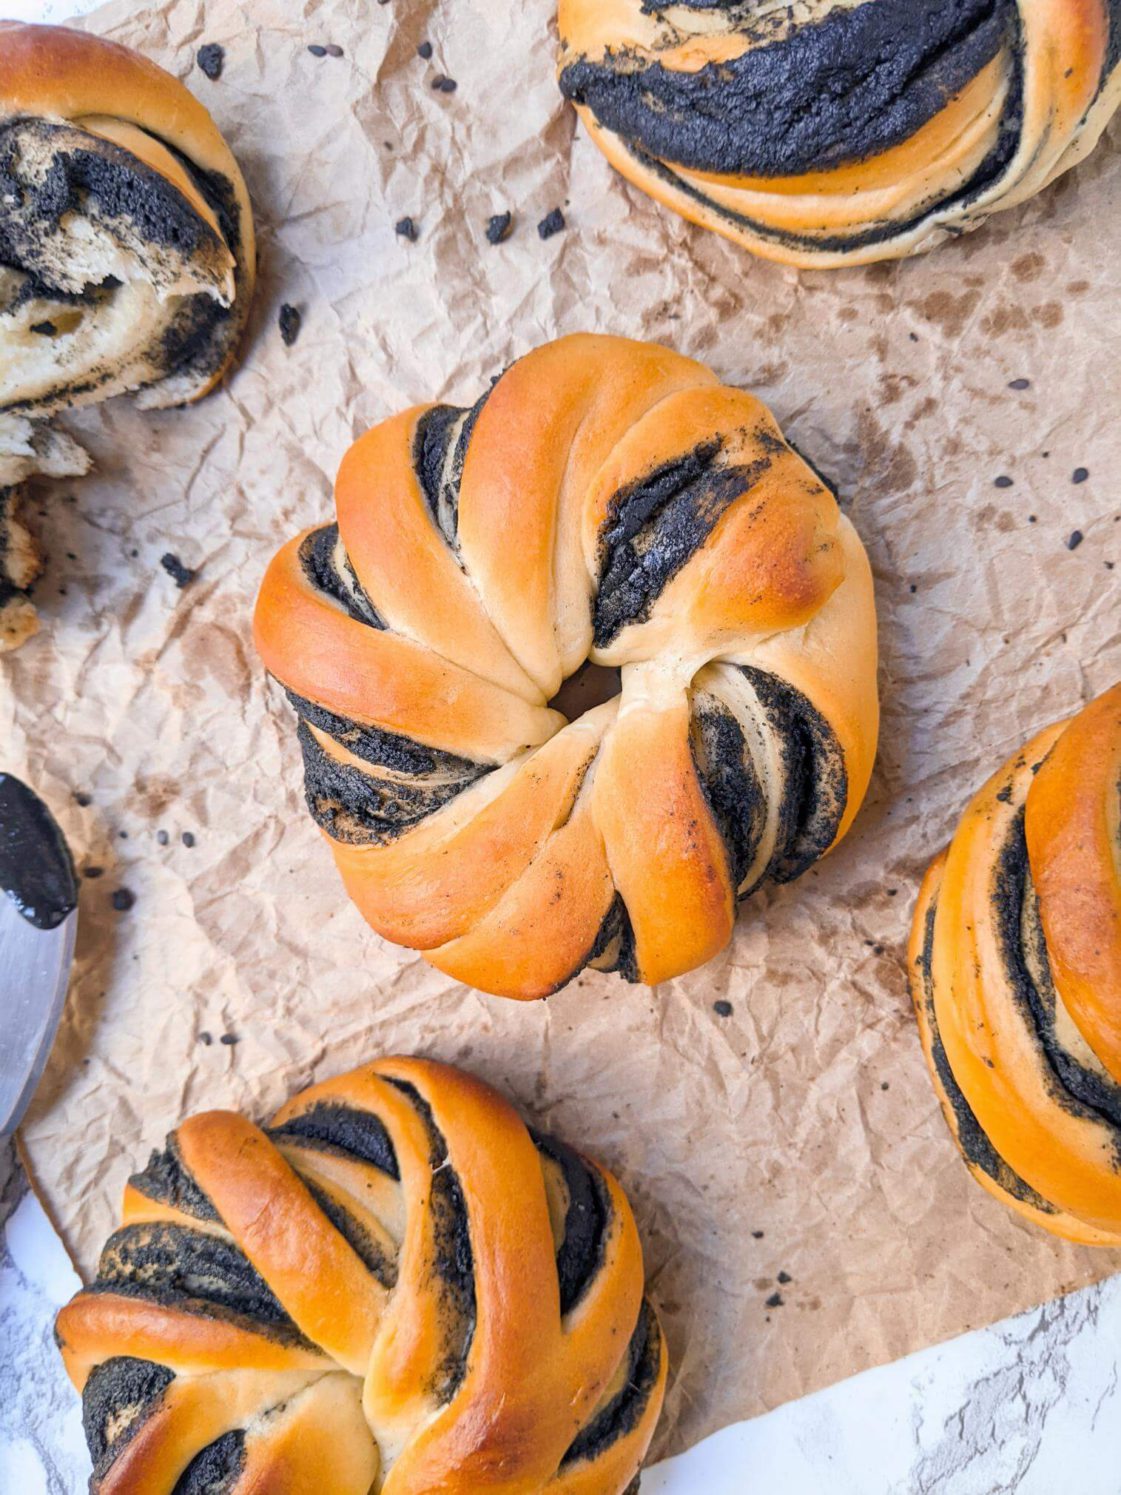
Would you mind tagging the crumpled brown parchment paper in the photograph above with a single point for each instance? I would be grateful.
(798, 1135)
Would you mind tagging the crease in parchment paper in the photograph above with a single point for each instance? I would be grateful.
(798, 1135)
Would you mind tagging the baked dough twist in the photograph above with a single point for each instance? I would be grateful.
(394, 1286)
(127, 255)
(835, 132)
(604, 500)
(1016, 973)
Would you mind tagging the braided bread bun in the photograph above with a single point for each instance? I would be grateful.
(126, 236)
(604, 500)
(829, 133)
(394, 1287)
(1015, 962)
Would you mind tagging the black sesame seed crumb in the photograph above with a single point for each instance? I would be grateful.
(1032, 519)
(181, 575)
(776, 1300)
(316, 50)
(913, 336)
(1080, 474)
(229, 1039)
(92, 872)
(1004, 481)
(290, 320)
(162, 837)
(333, 49)
(551, 224)
(885, 1085)
(82, 798)
(756, 1235)
(44, 329)
(406, 228)
(210, 59)
(498, 227)
(1074, 539)
(134, 553)
(424, 50)
(1109, 565)
(205, 1037)
(187, 839)
(722, 1008)
(123, 835)
(1019, 384)
(444, 84)
(914, 588)
(784, 1278)
(123, 899)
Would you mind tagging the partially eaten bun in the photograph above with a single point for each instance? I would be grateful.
(126, 236)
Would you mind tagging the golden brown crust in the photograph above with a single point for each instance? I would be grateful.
(994, 107)
(371, 1290)
(606, 501)
(1071, 823)
(1013, 973)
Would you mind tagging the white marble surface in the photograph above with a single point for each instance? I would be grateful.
(1031, 1405)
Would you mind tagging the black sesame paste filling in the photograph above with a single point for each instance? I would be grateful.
(175, 1265)
(327, 566)
(119, 1396)
(168, 1181)
(580, 1253)
(388, 750)
(990, 171)
(365, 1245)
(655, 525)
(613, 949)
(215, 1469)
(331, 1126)
(843, 89)
(815, 777)
(971, 1136)
(727, 776)
(1113, 51)
(625, 1410)
(1077, 1089)
(359, 808)
(109, 180)
(453, 1261)
(434, 434)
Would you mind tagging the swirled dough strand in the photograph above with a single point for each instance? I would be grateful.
(833, 132)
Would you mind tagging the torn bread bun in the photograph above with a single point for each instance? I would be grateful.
(28, 449)
(127, 258)
(126, 235)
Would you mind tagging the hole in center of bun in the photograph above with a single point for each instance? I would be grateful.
(590, 686)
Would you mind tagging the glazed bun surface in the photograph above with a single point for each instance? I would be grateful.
(605, 501)
(1016, 973)
(393, 1286)
(837, 132)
